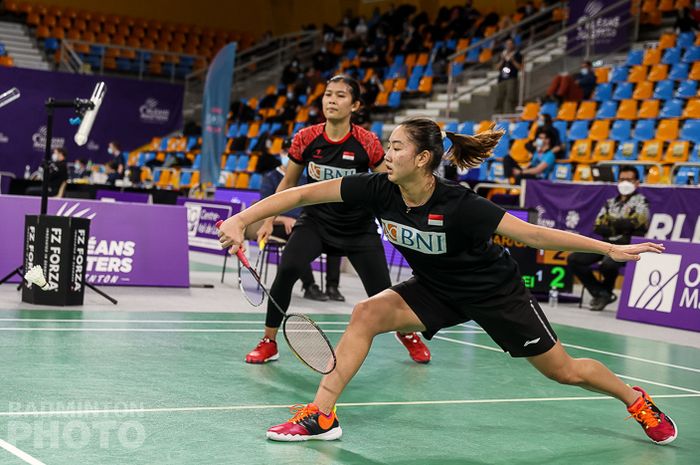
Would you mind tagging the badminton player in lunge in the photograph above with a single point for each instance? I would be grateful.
(444, 232)
(331, 150)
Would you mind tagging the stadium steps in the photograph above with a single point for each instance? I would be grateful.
(20, 46)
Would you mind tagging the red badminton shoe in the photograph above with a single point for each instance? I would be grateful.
(308, 423)
(417, 349)
(656, 424)
(265, 351)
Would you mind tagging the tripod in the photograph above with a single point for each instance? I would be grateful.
(80, 106)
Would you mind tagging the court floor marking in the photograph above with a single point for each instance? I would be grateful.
(475, 329)
(20, 453)
(493, 349)
(179, 330)
(341, 404)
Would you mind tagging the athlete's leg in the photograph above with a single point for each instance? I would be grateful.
(558, 365)
(382, 313)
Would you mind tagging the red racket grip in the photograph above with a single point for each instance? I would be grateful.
(240, 254)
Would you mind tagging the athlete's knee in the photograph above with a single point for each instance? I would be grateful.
(366, 316)
(564, 374)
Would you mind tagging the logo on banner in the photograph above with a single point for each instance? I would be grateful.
(600, 28)
(39, 140)
(654, 284)
(4, 139)
(572, 219)
(667, 227)
(150, 113)
(324, 172)
(430, 243)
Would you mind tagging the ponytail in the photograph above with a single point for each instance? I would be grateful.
(471, 151)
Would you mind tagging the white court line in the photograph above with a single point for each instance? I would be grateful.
(342, 404)
(174, 330)
(20, 453)
(621, 376)
(98, 320)
(630, 357)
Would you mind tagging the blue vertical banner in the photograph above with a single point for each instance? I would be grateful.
(215, 105)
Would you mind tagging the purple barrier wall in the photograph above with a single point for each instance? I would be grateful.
(663, 289)
(132, 112)
(130, 244)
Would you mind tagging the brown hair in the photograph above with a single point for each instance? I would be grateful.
(466, 151)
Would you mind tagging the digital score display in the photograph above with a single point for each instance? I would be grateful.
(541, 270)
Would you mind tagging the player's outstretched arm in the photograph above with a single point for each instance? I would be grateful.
(553, 239)
(231, 230)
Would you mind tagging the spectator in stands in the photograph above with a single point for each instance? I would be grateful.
(118, 161)
(565, 87)
(79, 169)
(540, 166)
(323, 60)
(507, 91)
(291, 72)
(268, 162)
(283, 228)
(622, 217)
(685, 21)
(58, 173)
(544, 125)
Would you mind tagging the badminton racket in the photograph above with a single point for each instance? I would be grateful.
(304, 337)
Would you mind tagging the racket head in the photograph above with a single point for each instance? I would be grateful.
(309, 343)
(249, 281)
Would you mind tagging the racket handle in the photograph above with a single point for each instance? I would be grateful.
(241, 256)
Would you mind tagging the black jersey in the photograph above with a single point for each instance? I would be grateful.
(447, 241)
(325, 159)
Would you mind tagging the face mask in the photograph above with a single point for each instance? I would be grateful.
(511, 127)
(284, 160)
(54, 157)
(538, 143)
(110, 151)
(584, 71)
(626, 187)
(290, 95)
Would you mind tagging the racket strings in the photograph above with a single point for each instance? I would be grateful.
(308, 343)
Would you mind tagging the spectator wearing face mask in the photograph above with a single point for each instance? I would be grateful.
(568, 88)
(118, 161)
(540, 166)
(57, 173)
(544, 125)
(79, 169)
(510, 65)
(622, 217)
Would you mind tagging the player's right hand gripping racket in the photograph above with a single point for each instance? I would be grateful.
(306, 340)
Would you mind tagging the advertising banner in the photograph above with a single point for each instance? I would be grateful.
(663, 289)
(132, 113)
(607, 32)
(202, 216)
(129, 245)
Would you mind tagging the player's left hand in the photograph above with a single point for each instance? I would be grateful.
(631, 253)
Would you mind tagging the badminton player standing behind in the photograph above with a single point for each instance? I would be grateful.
(328, 151)
(444, 232)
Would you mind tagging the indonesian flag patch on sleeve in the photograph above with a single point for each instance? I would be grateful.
(435, 220)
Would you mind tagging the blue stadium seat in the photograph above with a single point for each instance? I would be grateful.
(242, 163)
(635, 57)
(692, 54)
(549, 108)
(232, 131)
(496, 172)
(685, 39)
(620, 130)
(561, 172)
(578, 130)
(603, 92)
(607, 110)
(645, 130)
(623, 91)
(671, 56)
(243, 130)
(672, 109)
(191, 142)
(503, 147)
(627, 150)
(466, 128)
(231, 163)
(561, 127)
(619, 74)
(679, 72)
(451, 126)
(197, 163)
(185, 177)
(255, 181)
(686, 175)
(394, 100)
(264, 128)
(164, 143)
(457, 69)
(691, 131)
(473, 55)
(521, 130)
(51, 44)
(502, 125)
(377, 128)
(687, 89)
(663, 90)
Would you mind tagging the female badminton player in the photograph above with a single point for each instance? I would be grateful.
(329, 151)
(444, 232)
